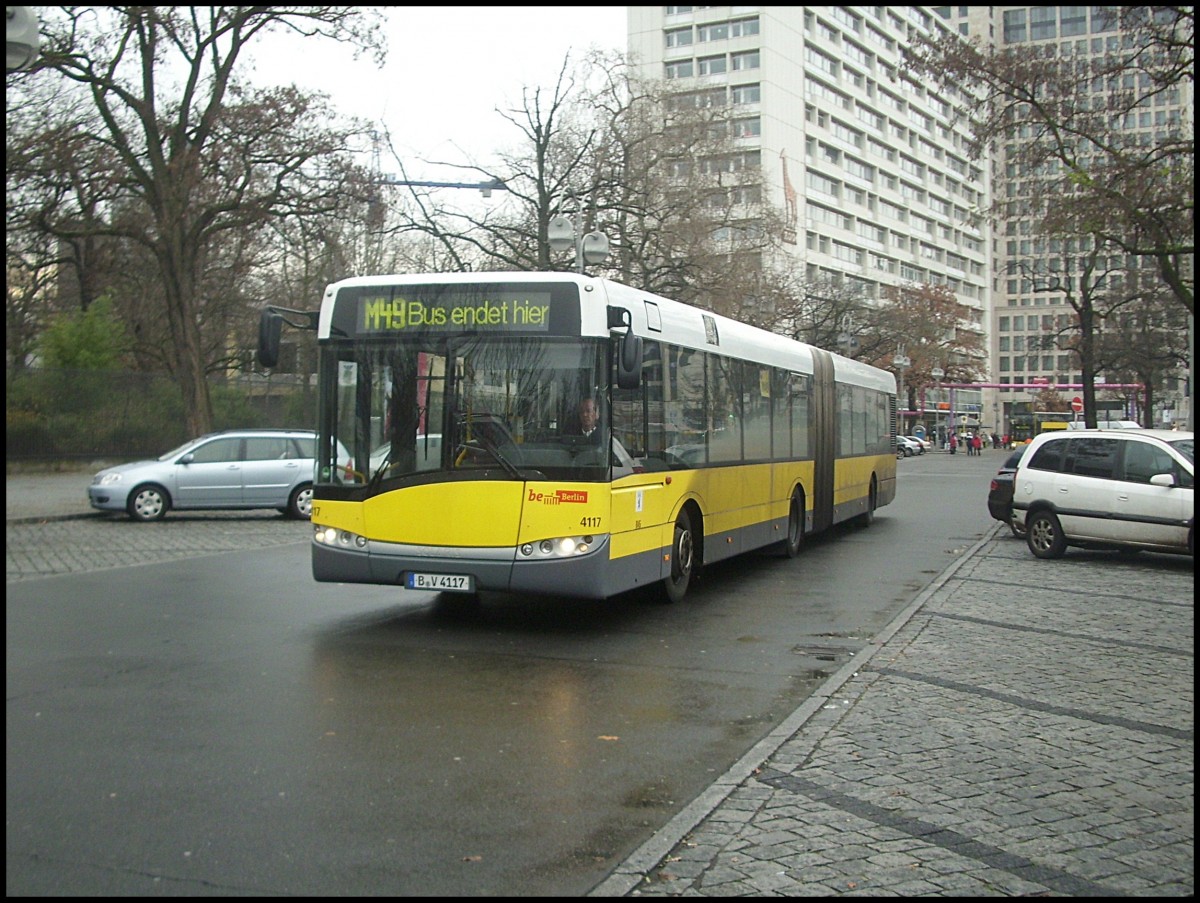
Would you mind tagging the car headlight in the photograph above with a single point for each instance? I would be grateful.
(109, 479)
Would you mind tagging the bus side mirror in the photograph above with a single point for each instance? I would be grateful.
(629, 363)
(269, 326)
(629, 350)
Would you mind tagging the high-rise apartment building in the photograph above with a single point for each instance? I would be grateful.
(871, 167)
(1027, 312)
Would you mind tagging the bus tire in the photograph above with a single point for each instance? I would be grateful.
(683, 559)
(795, 526)
(868, 517)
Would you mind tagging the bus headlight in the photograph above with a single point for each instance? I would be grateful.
(558, 547)
(331, 536)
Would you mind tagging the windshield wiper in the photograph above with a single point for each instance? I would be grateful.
(490, 447)
(377, 476)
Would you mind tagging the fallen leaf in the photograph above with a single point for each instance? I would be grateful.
(606, 737)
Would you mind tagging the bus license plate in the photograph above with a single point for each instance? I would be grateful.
(446, 583)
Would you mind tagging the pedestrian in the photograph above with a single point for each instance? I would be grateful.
(953, 442)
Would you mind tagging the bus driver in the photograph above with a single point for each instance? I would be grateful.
(589, 418)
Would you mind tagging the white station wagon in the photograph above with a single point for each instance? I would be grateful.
(1111, 489)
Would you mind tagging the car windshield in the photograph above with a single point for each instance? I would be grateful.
(1187, 448)
(178, 451)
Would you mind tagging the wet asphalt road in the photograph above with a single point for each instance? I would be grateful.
(190, 714)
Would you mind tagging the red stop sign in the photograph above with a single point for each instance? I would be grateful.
(1076, 404)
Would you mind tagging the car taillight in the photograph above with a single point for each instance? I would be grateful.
(994, 485)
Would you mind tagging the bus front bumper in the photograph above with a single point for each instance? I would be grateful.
(587, 575)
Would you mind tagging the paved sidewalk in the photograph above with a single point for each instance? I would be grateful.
(1024, 728)
(50, 495)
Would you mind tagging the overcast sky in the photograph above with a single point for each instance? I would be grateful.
(448, 69)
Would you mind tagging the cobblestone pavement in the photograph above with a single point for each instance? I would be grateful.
(44, 548)
(1026, 729)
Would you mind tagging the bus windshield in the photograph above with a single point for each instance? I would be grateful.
(460, 407)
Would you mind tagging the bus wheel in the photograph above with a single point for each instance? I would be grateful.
(868, 517)
(683, 560)
(795, 527)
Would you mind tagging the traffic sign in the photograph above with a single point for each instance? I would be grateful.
(1076, 404)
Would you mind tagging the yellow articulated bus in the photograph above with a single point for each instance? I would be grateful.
(455, 452)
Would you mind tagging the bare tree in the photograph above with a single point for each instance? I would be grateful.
(1084, 280)
(657, 171)
(826, 313)
(934, 330)
(1145, 340)
(178, 152)
(32, 272)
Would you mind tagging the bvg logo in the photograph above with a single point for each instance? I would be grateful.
(560, 497)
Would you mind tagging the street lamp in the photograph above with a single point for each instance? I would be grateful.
(21, 34)
(562, 235)
(846, 338)
(901, 362)
(937, 373)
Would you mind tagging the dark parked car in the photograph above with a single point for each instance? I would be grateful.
(1000, 494)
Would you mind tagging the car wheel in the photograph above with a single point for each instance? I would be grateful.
(1017, 529)
(795, 526)
(300, 503)
(148, 502)
(1044, 535)
(683, 560)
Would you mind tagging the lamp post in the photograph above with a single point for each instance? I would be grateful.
(562, 235)
(846, 338)
(21, 34)
(937, 373)
(901, 362)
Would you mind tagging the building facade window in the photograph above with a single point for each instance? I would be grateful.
(678, 37)
(742, 62)
(678, 69)
(1014, 26)
(744, 94)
